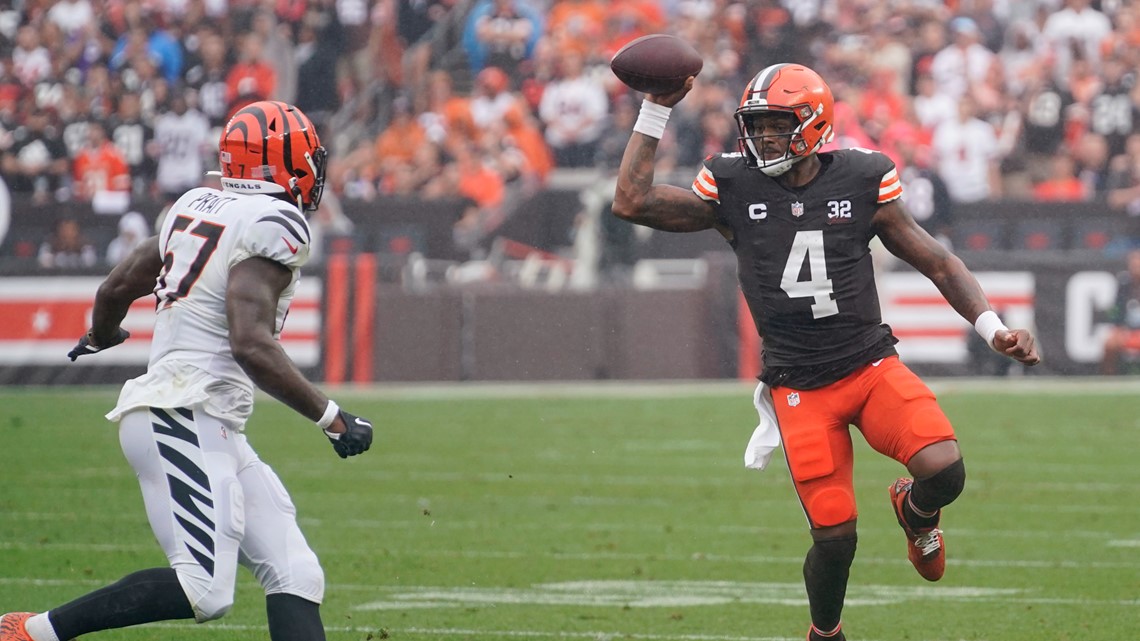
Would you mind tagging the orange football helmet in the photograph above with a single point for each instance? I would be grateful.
(795, 90)
(273, 142)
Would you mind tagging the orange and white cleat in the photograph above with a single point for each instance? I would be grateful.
(12, 626)
(925, 548)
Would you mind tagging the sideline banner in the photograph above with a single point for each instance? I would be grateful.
(43, 318)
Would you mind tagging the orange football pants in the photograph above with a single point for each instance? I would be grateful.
(896, 412)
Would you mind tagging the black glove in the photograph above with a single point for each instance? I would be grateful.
(356, 440)
(86, 347)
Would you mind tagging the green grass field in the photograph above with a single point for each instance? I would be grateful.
(608, 513)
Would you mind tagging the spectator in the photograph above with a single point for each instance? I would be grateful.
(1123, 182)
(492, 99)
(503, 34)
(931, 106)
(206, 77)
(144, 38)
(397, 145)
(252, 78)
(132, 136)
(964, 62)
(1062, 185)
(1112, 111)
(525, 136)
(447, 120)
(1090, 156)
(317, 50)
(67, 247)
(1124, 337)
(31, 61)
(133, 229)
(100, 171)
(36, 162)
(574, 110)
(181, 138)
(72, 16)
(575, 26)
(1075, 32)
(966, 154)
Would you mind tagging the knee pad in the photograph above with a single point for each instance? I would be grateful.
(830, 506)
(940, 490)
(210, 599)
(304, 578)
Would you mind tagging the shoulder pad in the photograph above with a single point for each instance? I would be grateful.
(278, 232)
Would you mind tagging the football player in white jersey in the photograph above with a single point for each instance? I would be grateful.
(223, 269)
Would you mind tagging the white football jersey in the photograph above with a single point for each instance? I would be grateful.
(205, 233)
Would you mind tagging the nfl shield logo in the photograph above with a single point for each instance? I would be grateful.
(793, 399)
(797, 209)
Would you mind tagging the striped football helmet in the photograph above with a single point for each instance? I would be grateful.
(794, 90)
(273, 142)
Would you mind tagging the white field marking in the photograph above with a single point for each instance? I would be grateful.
(1125, 543)
(495, 634)
(574, 526)
(673, 594)
(694, 557)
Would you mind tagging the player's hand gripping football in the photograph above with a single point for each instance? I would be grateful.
(356, 437)
(88, 346)
(671, 99)
(1017, 344)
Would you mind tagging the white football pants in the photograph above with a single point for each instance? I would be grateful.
(213, 504)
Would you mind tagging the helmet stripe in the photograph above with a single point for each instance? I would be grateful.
(287, 152)
(763, 81)
(259, 115)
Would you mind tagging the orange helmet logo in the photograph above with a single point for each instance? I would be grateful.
(276, 143)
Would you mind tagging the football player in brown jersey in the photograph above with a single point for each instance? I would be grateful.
(800, 222)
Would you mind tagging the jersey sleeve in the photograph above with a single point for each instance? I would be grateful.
(279, 233)
(881, 167)
(704, 185)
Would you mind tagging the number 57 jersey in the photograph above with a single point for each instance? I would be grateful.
(804, 260)
(204, 235)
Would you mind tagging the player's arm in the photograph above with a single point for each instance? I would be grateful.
(904, 238)
(665, 207)
(130, 280)
(254, 288)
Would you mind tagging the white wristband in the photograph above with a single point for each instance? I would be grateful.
(651, 119)
(987, 325)
(331, 410)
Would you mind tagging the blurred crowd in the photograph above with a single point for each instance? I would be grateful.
(486, 100)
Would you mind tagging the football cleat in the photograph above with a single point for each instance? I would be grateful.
(925, 548)
(12, 626)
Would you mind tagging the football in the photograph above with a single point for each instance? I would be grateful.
(656, 64)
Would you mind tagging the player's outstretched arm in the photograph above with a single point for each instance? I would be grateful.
(130, 280)
(254, 288)
(907, 240)
(636, 198)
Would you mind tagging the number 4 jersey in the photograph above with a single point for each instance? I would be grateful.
(205, 234)
(804, 261)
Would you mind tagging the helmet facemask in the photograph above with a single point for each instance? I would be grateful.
(752, 143)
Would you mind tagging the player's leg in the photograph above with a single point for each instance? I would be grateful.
(276, 551)
(817, 445)
(902, 419)
(186, 471)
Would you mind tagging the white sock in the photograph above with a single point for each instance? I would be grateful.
(920, 513)
(40, 629)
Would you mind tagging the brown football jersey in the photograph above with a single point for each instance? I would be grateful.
(804, 261)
